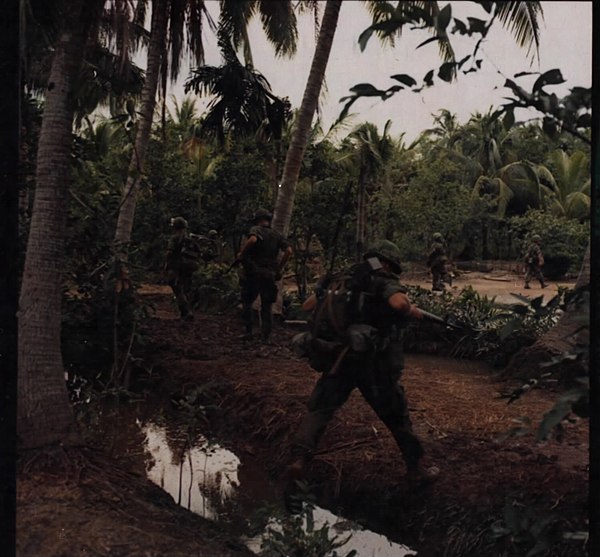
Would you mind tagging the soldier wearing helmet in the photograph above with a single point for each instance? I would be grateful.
(437, 261)
(534, 260)
(261, 269)
(374, 368)
(181, 262)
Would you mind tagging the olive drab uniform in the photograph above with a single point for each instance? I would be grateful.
(182, 261)
(437, 262)
(260, 272)
(534, 259)
(375, 370)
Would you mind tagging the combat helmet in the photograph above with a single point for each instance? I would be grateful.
(386, 251)
(179, 223)
(212, 233)
(437, 237)
(262, 214)
(536, 238)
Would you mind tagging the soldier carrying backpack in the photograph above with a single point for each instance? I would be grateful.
(182, 261)
(355, 342)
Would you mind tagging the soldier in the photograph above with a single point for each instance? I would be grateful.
(181, 262)
(437, 262)
(261, 270)
(375, 370)
(534, 259)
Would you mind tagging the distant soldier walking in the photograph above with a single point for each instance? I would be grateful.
(182, 260)
(261, 270)
(534, 259)
(437, 262)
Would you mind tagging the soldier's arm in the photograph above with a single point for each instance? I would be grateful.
(399, 302)
(252, 239)
(287, 253)
(310, 303)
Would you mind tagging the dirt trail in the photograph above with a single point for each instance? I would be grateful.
(260, 394)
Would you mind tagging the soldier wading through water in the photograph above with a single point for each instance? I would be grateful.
(261, 270)
(359, 349)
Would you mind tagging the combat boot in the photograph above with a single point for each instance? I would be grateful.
(418, 476)
(292, 492)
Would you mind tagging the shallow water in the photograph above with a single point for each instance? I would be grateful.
(206, 480)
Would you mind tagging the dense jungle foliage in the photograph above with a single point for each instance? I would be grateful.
(485, 188)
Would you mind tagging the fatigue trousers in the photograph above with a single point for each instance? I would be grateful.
(181, 284)
(377, 380)
(252, 286)
(534, 272)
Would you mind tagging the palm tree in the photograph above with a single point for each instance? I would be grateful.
(242, 99)
(44, 415)
(520, 17)
(300, 135)
(570, 184)
(169, 18)
(372, 153)
(156, 55)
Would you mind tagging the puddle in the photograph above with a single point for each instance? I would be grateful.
(203, 480)
(206, 478)
(365, 542)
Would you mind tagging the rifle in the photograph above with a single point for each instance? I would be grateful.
(437, 319)
(231, 267)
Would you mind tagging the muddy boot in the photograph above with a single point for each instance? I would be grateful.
(419, 477)
(294, 482)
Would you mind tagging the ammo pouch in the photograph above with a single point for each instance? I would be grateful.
(362, 337)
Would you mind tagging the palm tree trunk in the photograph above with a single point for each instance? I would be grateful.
(156, 50)
(44, 415)
(293, 160)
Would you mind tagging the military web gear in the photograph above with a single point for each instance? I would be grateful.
(338, 324)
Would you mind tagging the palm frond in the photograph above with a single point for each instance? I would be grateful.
(522, 20)
(280, 25)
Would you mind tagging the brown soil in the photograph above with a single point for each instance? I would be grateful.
(97, 502)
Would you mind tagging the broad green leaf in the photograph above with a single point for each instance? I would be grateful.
(404, 78)
(366, 90)
(446, 71)
(551, 77)
(430, 40)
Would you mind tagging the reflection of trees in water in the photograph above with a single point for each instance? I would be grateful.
(177, 469)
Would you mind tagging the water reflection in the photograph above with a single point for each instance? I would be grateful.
(203, 478)
(206, 476)
(365, 542)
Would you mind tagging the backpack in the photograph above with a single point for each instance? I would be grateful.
(340, 316)
(190, 255)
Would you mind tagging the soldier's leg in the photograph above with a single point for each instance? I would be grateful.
(249, 294)
(268, 295)
(382, 390)
(329, 394)
(540, 277)
(185, 282)
(175, 282)
(528, 276)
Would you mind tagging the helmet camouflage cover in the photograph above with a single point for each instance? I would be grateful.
(386, 251)
(536, 238)
(179, 223)
(437, 236)
(262, 214)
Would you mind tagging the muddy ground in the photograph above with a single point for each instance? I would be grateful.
(95, 501)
